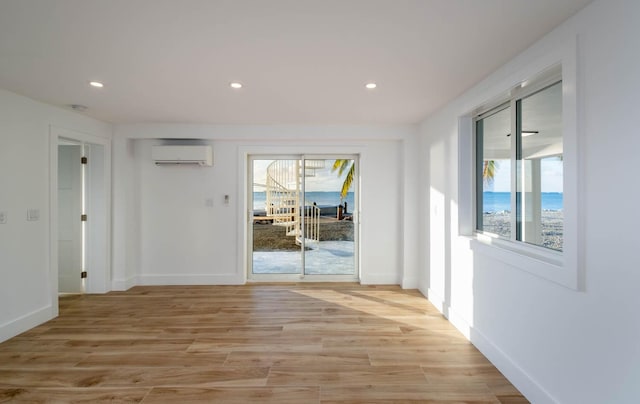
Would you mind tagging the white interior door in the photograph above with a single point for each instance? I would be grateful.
(69, 224)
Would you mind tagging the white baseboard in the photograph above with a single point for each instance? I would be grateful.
(409, 282)
(532, 390)
(435, 299)
(24, 323)
(379, 279)
(163, 280)
(123, 284)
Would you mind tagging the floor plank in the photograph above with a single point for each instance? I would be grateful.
(434, 393)
(293, 395)
(89, 396)
(344, 375)
(136, 377)
(153, 359)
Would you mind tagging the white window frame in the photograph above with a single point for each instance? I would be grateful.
(564, 267)
(518, 94)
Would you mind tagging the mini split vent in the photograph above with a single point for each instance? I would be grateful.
(179, 154)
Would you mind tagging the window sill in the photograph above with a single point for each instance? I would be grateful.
(543, 263)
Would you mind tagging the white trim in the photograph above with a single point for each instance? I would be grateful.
(466, 176)
(565, 269)
(55, 134)
(439, 303)
(123, 284)
(525, 260)
(266, 278)
(314, 151)
(379, 279)
(500, 359)
(26, 322)
(409, 282)
(188, 279)
(52, 272)
(531, 389)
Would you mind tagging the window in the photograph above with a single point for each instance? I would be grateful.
(519, 166)
(525, 126)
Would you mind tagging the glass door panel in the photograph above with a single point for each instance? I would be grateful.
(328, 216)
(276, 201)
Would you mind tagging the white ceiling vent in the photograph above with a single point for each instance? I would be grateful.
(179, 154)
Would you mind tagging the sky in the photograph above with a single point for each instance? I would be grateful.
(328, 181)
(324, 179)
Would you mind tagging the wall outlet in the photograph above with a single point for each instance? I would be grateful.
(3, 217)
(208, 202)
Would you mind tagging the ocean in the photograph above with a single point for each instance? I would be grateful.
(493, 201)
(320, 198)
(501, 201)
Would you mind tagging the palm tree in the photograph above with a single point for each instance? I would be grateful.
(341, 166)
(489, 168)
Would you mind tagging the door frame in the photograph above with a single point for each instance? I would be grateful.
(98, 206)
(300, 277)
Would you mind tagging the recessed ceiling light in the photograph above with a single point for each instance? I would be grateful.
(235, 84)
(96, 84)
(371, 86)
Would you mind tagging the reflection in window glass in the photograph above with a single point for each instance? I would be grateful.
(493, 148)
(539, 171)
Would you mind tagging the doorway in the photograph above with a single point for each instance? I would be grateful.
(80, 213)
(304, 222)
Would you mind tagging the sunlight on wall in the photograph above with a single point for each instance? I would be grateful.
(437, 242)
(451, 275)
(461, 274)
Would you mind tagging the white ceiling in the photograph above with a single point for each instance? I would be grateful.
(301, 61)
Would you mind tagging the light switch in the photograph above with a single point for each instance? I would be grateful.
(226, 199)
(3, 217)
(33, 215)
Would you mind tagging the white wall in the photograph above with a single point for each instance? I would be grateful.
(182, 241)
(554, 343)
(125, 248)
(26, 292)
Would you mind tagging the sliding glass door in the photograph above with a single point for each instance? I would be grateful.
(303, 222)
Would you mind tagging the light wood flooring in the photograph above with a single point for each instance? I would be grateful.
(281, 343)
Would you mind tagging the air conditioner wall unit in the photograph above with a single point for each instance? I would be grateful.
(201, 155)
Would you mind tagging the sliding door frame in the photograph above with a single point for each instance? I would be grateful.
(301, 276)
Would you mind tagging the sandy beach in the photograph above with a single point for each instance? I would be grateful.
(276, 253)
(267, 237)
(499, 223)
